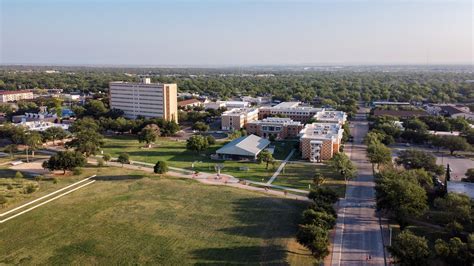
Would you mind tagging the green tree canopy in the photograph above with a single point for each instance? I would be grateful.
(201, 126)
(379, 154)
(314, 238)
(149, 134)
(65, 160)
(265, 156)
(409, 249)
(341, 163)
(415, 159)
(452, 143)
(197, 143)
(55, 133)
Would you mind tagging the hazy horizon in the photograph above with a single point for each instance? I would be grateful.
(236, 33)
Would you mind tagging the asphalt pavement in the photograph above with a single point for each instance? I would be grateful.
(358, 237)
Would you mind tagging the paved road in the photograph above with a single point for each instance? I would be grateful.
(358, 232)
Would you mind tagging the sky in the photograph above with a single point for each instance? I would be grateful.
(232, 32)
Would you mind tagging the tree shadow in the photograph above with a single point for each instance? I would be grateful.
(270, 219)
(270, 255)
(266, 217)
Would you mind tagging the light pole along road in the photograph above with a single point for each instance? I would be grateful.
(358, 237)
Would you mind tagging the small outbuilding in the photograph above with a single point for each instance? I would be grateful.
(243, 148)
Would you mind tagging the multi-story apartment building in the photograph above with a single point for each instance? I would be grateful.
(12, 96)
(145, 99)
(327, 116)
(291, 110)
(279, 128)
(237, 118)
(320, 141)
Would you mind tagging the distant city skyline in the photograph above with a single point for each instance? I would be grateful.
(232, 33)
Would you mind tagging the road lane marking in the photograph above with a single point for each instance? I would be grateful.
(41, 204)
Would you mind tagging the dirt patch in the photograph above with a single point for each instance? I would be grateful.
(34, 168)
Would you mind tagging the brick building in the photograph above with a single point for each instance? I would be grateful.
(237, 118)
(13, 96)
(320, 141)
(291, 110)
(280, 128)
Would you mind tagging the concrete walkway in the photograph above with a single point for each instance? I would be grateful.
(277, 172)
(278, 187)
(47, 199)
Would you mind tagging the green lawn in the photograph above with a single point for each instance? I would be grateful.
(299, 175)
(175, 153)
(126, 218)
(283, 148)
(13, 189)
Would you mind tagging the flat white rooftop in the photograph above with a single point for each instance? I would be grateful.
(321, 131)
(239, 111)
(326, 115)
(276, 120)
(287, 105)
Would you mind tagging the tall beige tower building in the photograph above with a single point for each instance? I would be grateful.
(145, 99)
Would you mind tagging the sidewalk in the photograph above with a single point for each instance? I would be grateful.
(277, 172)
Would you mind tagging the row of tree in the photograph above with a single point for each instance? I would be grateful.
(318, 220)
(415, 130)
(409, 195)
(329, 88)
(31, 140)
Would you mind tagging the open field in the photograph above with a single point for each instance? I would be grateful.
(15, 195)
(175, 153)
(128, 218)
(299, 175)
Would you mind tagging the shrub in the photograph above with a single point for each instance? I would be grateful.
(39, 178)
(211, 140)
(323, 195)
(9, 187)
(161, 167)
(30, 188)
(124, 158)
(100, 162)
(77, 171)
(19, 175)
(106, 157)
(55, 180)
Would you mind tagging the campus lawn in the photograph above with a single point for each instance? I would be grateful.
(283, 148)
(14, 189)
(175, 153)
(128, 217)
(300, 175)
